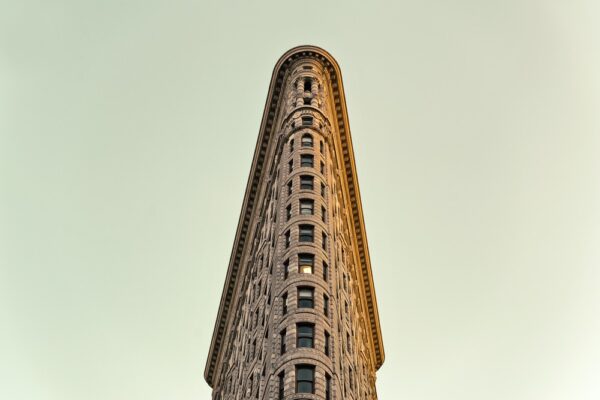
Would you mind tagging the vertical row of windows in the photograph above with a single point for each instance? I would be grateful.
(305, 332)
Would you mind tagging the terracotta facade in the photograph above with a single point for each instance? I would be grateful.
(298, 315)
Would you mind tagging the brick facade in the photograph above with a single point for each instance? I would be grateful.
(298, 317)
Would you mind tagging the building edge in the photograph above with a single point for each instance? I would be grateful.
(250, 197)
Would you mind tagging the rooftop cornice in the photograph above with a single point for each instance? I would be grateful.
(258, 165)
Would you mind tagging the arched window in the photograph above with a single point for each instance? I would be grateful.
(307, 140)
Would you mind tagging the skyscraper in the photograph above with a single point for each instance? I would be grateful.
(298, 315)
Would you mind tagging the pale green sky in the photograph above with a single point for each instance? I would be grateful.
(127, 130)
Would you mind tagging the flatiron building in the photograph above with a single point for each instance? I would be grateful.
(298, 316)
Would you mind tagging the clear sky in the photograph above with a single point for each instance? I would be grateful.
(127, 130)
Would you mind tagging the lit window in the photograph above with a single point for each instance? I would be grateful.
(306, 263)
(306, 297)
(305, 335)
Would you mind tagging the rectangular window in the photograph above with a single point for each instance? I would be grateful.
(326, 305)
(305, 379)
(306, 297)
(288, 212)
(284, 303)
(325, 271)
(321, 147)
(291, 166)
(322, 167)
(306, 233)
(307, 182)
(307, 121)
(324, 240)
(307, 141)
(287, 239)
(281, 385)
(289, 185)
(305, 335)
(349, 344)
(307, 207)
(323, 214)
(286, 269)
(327, 339)
(307, 160)
(306, 263)
(291, 145)
(327, 387)
(322, 189)
(282, 341)
(307, 85)
(306, 101)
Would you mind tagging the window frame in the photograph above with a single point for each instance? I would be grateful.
(306, 207)
(306, 233)
(309, 381)
(306, 260)
(309, 142)
(307, 160)
(306, 301)
(305, 333)
(307, 182)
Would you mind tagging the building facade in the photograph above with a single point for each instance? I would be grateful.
(298, 316)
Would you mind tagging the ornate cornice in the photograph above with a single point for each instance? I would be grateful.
(248, 208)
